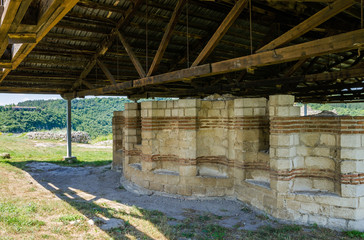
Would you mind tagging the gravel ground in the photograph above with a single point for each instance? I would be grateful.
(103, 184)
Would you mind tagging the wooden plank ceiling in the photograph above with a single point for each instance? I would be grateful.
(184, 48)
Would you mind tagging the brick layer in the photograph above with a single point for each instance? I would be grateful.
(161, 123)
(338, 125)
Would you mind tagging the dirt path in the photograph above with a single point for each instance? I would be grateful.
(101, 185)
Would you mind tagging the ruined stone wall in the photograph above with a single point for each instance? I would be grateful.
(306, 169)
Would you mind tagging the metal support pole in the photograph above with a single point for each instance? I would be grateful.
(69, 158)
(305, 109)
(69, 129)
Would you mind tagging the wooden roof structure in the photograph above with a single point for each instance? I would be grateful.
(312, 49)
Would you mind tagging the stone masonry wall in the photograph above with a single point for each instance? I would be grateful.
(305, 169)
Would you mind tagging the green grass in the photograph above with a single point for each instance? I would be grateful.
(102, 138)
(355, 234)
(54, 154)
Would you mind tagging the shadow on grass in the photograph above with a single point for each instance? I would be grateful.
(71, 179)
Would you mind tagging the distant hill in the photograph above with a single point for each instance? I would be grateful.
(351, 109)
(93, 115)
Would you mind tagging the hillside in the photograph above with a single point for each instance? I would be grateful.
(351, 109)
(93, 115)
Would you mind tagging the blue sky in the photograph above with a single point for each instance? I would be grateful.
(6, 98)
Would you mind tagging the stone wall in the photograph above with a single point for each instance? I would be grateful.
(305, 169)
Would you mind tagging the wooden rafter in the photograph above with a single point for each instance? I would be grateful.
(107, 42)
(106, 72)
(295, 67)
(220, 32)
(50, 16)
(132, 55)
(309, 24)
(338, 43)
(166, 37)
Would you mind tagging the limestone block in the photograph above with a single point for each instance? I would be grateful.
(218, 104)
(144, 113)
(361, 202)
(131, 106)
(286, 152)
(311, 208)
(198, 191)
(168, 112)
(272, 111)
(298, 162)
(280, 186)
(175, 112)
(346, 213)
(282, 140)
(158, 113)
(324, 185)
(156, 186)
(181, 112)
(215, 192)
(337, 223)
(170, 104)
(283, 111)
(188, 170)
(334, 200)
(189, 103)
(350, 166)
(310, 139)
(362, 140)
(320, 162)
(281, 164)
(351, 140)
(131, 113)
(328, 139)
(302, 184)
(304, 151)
(148, 104)
(352, 153)
(148, 166)
(161, 104)
(281, 100)
(293, 205)
(317, 219)
(250, 102)
(130, 131)
(356, 225)
(191, 112)
(224, 183)
(172, 189)
(322, 151)
(184, 190)
(348, 190)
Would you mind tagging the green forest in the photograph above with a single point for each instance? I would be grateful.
(94, 115)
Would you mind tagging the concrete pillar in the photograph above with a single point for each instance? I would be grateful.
(69, 158)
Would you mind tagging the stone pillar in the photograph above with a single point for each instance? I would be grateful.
(282, 143)
(118, 145)
(132, 133)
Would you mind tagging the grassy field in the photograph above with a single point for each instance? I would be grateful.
(29, 211)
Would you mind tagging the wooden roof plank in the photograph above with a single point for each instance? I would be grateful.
(132, 55)
(309, 24)
(166, 37)
(338, 43)
(220, 32)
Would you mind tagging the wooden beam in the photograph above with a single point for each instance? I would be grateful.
(7, 18)
(22, 38)
(132, 55)
(57, 10)
(333, 44)
(220, 32)
(106, 72)
(310, 23)
(167, 36)
(107, 42)
(295, 67)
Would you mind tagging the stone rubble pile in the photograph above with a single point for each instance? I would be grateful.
(78, 137)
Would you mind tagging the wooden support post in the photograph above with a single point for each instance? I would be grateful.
(220, 32)
(132, 55)
(166, 37)
(309, 24)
